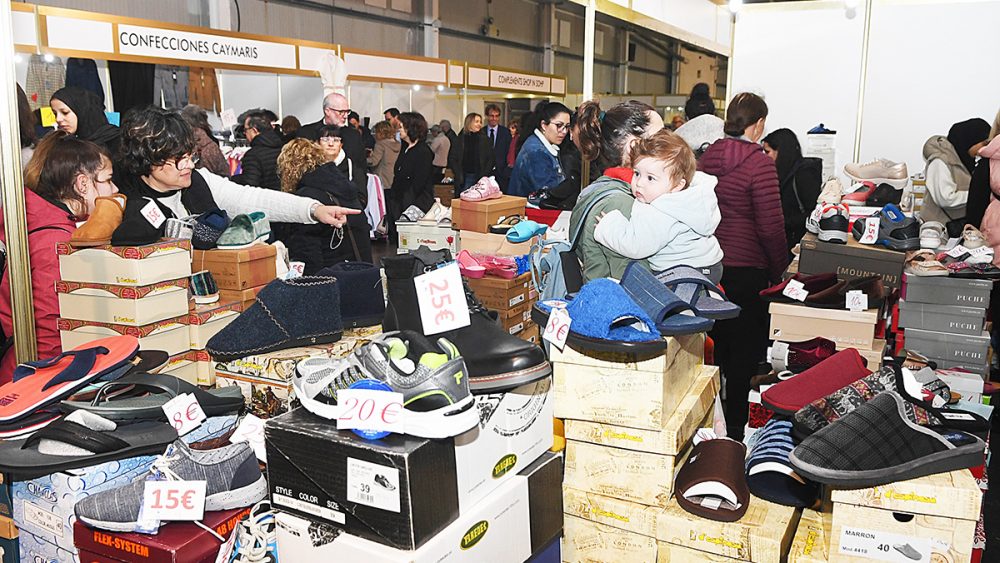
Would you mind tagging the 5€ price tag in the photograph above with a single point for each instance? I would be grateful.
(441, 298)
(557, 329)
(174, 500)
(795, 290)
(857, 300)
(871, 230)
(184, 413)
(152, 213)
(371, 409)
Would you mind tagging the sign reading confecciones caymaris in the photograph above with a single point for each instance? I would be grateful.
(186, 45)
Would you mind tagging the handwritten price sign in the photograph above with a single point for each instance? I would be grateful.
(370, 409)
(174, 500)
(184, 413)
(557, 329)
(871, 230)
(795, 290)
(441, 299)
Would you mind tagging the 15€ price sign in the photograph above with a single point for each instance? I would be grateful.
(441, 298)
(370, 409)
(174, 500)
(184, 413)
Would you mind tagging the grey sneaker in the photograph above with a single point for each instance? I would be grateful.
(431, 376)
(232, 475)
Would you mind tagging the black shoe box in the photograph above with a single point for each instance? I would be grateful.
(399, 491)
(851, 261)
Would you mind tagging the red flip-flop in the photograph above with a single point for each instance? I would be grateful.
(40, 383)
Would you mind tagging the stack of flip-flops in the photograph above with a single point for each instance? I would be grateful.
(634, 314)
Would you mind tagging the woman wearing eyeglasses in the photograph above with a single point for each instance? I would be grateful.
(157, 165)
(537, 166)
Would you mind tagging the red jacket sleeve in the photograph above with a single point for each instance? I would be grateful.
(45, 274)
(768, 217)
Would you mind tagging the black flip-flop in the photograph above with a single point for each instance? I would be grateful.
(148, 395)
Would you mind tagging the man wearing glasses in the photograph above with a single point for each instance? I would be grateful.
(335, 112)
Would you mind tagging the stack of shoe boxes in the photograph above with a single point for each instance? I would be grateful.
(239, 273)
(479, 216)
(137, 290)
(8, 531)
(490, 494)
(943, 318)
(511, 298)
(629, 426)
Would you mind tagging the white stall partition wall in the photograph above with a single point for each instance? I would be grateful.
(806, 77)
(301, 96)
(243, 90)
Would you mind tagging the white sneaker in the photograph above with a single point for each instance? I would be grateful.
(879, 171)
(833, 190)
(812, 221)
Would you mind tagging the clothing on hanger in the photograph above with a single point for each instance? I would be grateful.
(82, 73)
(170, 86)
(131, 84)
(203, 89)
(43, 79)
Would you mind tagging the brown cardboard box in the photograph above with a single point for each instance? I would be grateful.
(245, 297)
(493, 244)
(205, 321)
(480, 215)
(627, 392)
(629, 475)
(763, 535)
(695, 411)
(798, 323)
(851, 261)
(238, 269)
(517, 323)
(588, 542)
(630, 516)
(811, 543)
(936, 515)
(503, 294)
(531, 334)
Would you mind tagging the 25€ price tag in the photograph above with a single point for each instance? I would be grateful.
(184, 413)
(795, 290)
(857, 300)
(441, 298)
(871, 230)
(251, 430)
(174, 500)
(371, 409)
(152, 213)
(557, 329)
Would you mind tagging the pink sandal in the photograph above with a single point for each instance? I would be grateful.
(469, 266)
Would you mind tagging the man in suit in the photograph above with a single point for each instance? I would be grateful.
(335, 112)
(500, 138)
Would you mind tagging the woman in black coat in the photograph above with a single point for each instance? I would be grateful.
(80, 112)
(800, 178)
(306, 170)
(471, 156)
(413, 176)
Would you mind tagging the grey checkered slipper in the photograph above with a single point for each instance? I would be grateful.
(877, 444)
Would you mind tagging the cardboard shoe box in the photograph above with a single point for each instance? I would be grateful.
(942, 318)
(8, 541)
(245, 297)
(967, 349)
(811, 543)
(493, 244)
(798, 323)
(762, 535)
(265, 398)
(205, 321)
(622, 389)
(239, 269)
(412, 236)
(170, 335)
(502, 294)
(586, 541)
(125, 265)
(851, 261)
(518, 519)
(939, 290)
(479, 216)
(123, 304)
(935, 515)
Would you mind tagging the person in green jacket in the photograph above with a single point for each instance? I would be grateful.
(605, 139)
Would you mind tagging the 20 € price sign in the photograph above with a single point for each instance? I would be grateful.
(184, 413)
(371, 409)
(174, 500)
(441, 298)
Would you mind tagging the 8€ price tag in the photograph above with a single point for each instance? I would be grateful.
(857, 300)
(871, 230)
(795, 290)
(441, 298)
(557, 329)
(184, 413)
(371, 409)
(174, 500)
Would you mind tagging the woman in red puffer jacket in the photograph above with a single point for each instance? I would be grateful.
(752, 236)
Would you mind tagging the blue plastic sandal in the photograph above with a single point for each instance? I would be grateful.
(523, 231)
(669, 311)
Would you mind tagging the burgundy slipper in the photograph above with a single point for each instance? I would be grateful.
(837, 371)
(813, 284)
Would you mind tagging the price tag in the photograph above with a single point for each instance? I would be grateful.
(779, 355)
(48, 117)
(251, 430)
(441, 299)
(795, 290)
(153, 214)
(981, 251)
(174, 500)
(857, 300)
(557, 329)
(958, 251)
(184, 413)
(871, 230)
(370, 409)
(228, 118)
(873, 544)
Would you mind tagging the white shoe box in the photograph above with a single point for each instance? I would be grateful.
(125, 265)
(123, 304)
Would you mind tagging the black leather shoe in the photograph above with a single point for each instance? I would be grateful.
(496, 360)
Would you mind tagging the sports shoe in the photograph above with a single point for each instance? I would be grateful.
(383, 482)
(255, 540)
(878, 171)
(232, 475)
(486, 188)
(833, 224)
(859, 194)
(883, 195)
(895, 230)
(832, 192)
(812, 220)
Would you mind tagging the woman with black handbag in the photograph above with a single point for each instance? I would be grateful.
(800, 180)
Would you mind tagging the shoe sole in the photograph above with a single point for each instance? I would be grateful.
(501, 382)
(898, 184)
(832, 236)
(962, 457)
(228, 500)
(298, 343)
(444, 422)
(900, 245)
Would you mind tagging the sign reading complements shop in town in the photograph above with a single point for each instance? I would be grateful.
(518, 81)
(192, 46)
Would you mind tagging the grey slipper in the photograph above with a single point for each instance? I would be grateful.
(148, 395)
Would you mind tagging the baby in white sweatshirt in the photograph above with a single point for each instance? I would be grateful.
(675, 213)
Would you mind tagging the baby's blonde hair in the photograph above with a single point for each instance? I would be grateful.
(671, 149)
